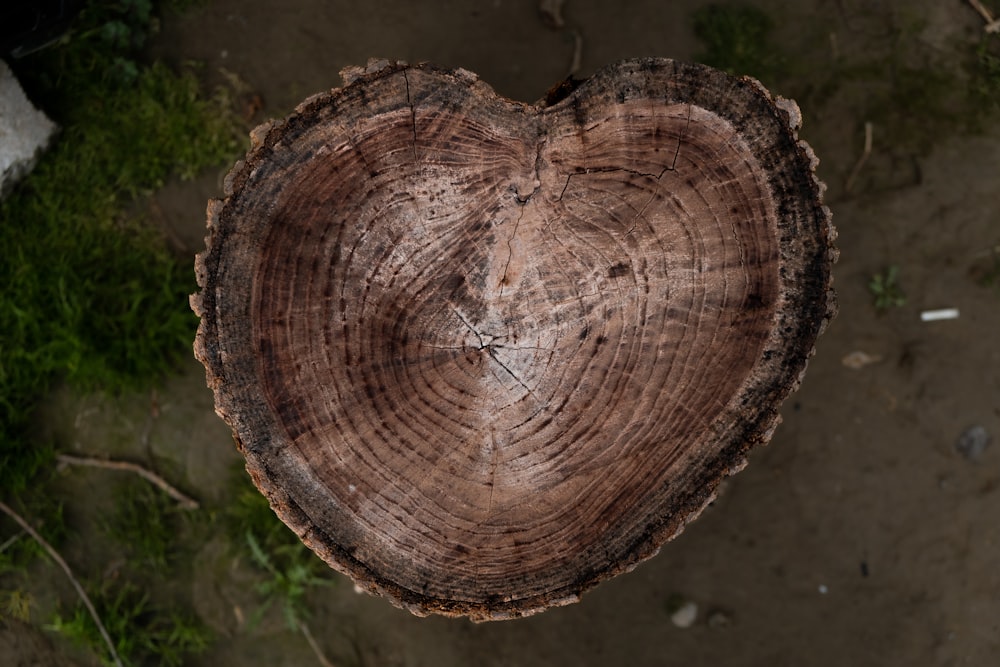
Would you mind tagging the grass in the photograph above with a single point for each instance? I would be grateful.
(93, 297)
(143, 633)
(146, 525)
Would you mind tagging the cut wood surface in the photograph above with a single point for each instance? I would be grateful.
(482, 355)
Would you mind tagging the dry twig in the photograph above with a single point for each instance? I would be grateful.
(574, 65)
(861, 161)
(69, 573)
(11, 540)
(185, 501)
(992, 23)
(313, 645)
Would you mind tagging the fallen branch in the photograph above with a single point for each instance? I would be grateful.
(69, 573)
(185, 501)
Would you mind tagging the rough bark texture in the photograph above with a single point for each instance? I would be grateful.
(482, 355)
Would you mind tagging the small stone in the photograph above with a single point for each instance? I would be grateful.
(973, 442)
(859, 359)
(718, 618)
(686, 615)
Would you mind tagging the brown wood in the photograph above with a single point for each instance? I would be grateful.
(482, 355)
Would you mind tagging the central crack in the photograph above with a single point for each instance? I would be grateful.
(488, 343)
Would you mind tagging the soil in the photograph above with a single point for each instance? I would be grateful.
(862, 535)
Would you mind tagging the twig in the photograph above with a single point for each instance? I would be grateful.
(313, 645)
(10, 540)
(861, 161)
(69, 573)
(992, 23)
(185, 501)
(577, 60)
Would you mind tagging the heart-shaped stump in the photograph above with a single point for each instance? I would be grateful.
(482, 355)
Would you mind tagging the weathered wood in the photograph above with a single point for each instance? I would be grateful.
(482, 355)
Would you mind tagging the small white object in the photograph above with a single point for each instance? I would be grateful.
(685, 616)
(859, 359)
(940, 314)
(823, 590)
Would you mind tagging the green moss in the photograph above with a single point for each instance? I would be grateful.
(93, 297)
(91, 294)
(737, 40)
(912, 95)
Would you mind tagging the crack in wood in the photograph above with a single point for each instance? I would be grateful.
(413, 113)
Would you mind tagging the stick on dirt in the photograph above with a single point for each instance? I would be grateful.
(861, 160)
(183, 500)
(992, 24)
(323, 660)
(69, 573)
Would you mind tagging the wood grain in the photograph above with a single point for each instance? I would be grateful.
(482, 355)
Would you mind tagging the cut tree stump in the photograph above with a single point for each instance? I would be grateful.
(482, 355)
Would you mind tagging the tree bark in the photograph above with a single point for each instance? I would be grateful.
(483, 355)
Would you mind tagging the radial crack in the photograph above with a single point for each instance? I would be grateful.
(490, 351)
(413, 114)
(510, 252)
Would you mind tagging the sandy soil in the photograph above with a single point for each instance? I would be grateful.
(859, 536)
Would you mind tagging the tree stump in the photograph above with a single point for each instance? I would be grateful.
(482, 355)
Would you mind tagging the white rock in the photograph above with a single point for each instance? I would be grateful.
(24, 131)
(686, 615)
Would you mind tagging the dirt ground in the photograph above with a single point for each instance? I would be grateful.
(860, 536)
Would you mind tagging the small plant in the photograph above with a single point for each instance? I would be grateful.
(885, 290)
(143, 633)
(15, 604)
(291, 569)
(288, 584)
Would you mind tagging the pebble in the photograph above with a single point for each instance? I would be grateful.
(973, 442)
(686, 615)
(859, 359)
(718, 618)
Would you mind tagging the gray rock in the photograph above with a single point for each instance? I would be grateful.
(973, 442)
(24, 131)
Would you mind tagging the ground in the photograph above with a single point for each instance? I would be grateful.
(861, 535)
